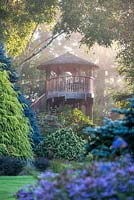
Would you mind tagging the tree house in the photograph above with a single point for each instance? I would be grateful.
(69, 81)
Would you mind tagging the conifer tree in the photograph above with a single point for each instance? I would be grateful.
(113, 136)
(13, 77)
(14, 126)
(6, 64)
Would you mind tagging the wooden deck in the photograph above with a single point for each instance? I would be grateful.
(70, 87)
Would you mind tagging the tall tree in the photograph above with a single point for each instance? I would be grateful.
(14, 126)
(102, 22)
(26, 105)
(19, 20)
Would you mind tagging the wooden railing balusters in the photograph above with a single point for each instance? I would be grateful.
(70, 84)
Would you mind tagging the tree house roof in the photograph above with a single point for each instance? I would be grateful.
(67, 59)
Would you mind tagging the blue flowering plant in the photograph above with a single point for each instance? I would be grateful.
(99, 181)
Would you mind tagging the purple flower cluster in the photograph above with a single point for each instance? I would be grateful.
(99, 181)
(119, 143)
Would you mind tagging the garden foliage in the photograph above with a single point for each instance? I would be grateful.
(98, 181)
(48, 123)
(35, 133)
(66, 117)
(14, 126)
(10, 166)
(74, 118)
(121, 130)
(19, 19)
(63, 144)
(41, 163)
(6, 64)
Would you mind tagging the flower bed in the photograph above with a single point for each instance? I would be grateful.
(101, 180)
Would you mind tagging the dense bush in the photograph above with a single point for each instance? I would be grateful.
(99, 181)
(63, 144)
(101, 138)
(6, 65)
(10, 166)
(14, 126)
(41, 164)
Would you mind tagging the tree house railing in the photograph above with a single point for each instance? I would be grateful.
(70, 84)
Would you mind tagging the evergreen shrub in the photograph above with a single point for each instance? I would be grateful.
(35, 133)
(41, 164)
(63, 144)
(14, 126)
(10, 166)
(102, 139)
(6, 65)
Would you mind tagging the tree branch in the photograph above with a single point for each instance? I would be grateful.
(39, 45)
(28, 44)
(50, 40)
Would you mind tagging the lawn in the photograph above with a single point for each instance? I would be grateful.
(10, 184)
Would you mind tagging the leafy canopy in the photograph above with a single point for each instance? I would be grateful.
(98, 21)
(18, 19)
(102, 22)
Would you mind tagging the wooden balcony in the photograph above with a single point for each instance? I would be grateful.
(70, 87)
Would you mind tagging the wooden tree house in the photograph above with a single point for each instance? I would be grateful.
(69, 81)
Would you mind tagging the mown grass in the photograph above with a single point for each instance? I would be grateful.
(10, 184)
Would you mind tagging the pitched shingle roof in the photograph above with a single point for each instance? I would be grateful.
(67, 58)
